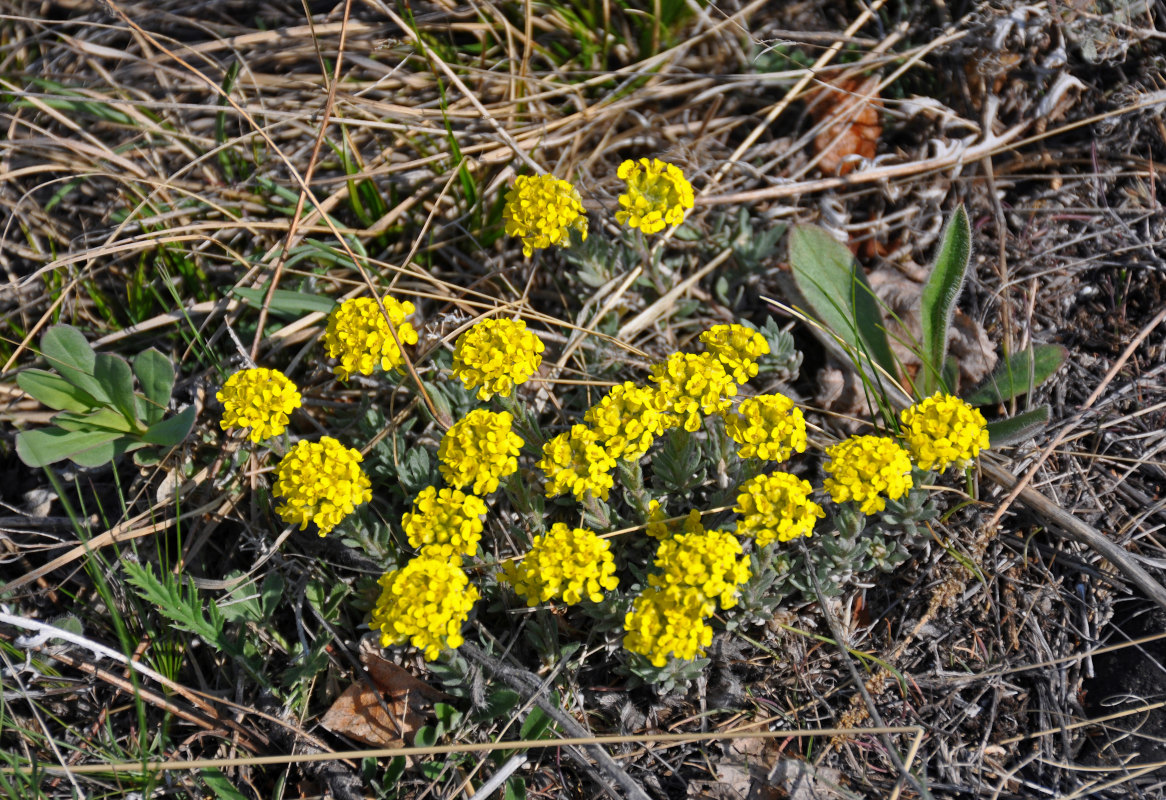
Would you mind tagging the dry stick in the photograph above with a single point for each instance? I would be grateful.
(840, 640)
(1075, 529)
(1076, 420)
(529, 685)
(292, 229)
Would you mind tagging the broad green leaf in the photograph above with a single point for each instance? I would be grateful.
(515, 789)
(101, 419)
(46, 446)
(838, 294)
(171, 431)
(940, 293)
(218, 783)
(54, 391)
(113, 372)
(535, 724)
(1016, 429)
(156, 376)
(66, 350)
(287, 301)
(1019, 374)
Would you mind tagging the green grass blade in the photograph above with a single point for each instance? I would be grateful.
(943, 288)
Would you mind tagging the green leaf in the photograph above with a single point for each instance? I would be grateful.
(499, 703)
(46, 446)
(270, 594)
(54, 391)
(535, 724)
(66, 350)
(426, 736)
(113, 373)
(940, 293)
(1019, 374)
(515, 789)
(156, 376)
(171, 432)
(1019, 428)
(218, 783)
(286, 301)
(838, 293)
(102, 419)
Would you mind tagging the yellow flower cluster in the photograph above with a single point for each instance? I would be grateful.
(259, 399)
(944, 430)
(776, 507)
(658, 195)
(627, 420)
(568, 564)
(691, 384)
(426, 602)
(496, 355)
(445, 524)
(769, 427)
(479, 449)
(867, 470)
(659, 528)
(707, 564)
(575, 462)
(320, 482)
(540, 210)
(665, 623)
(358, 335)
(737, 348)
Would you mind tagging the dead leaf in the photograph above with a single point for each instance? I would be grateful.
(387, 715)
(754, 769)
(852, 126)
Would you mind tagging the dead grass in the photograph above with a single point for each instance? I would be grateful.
(157, 158)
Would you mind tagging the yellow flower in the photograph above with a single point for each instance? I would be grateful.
(667, 623)
(658, 195)
(496, 355)
(944, 430)
(259, 399)
(479, 449)
(867, 470)
(575, 462)
(627, 420)
(776, 507)
(690, 384)
(709, 563)
(737, 348)
(568, 564)
(320, 482)
(541, 209)
(426, 602)
(769, 427)
(445, 524)
(359, 335)
(658, 528)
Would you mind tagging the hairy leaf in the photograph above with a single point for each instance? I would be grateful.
(54, 391)
(66, 350)
(156, 376)
(46, 446)
(1016, 429)
(943, 288)
(1019, 374)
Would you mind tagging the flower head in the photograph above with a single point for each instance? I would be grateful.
(709, 563)
(658, 526)
(575, 462)
(658, 195)
(691, 384)
(776, 507)
(540, 209)
(627, 420)
(944, 430)
(496, 355)
(769, 427)
(445, 524)
(358, 335)
(568, 564)
(259, 399)
(737, 347)
(479, 449)
(867, 470)
(666, 623)
(426, 602)
(320, 482)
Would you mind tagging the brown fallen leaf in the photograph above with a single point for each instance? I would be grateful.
(754, 769)
(852, 125)
(387, 715)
